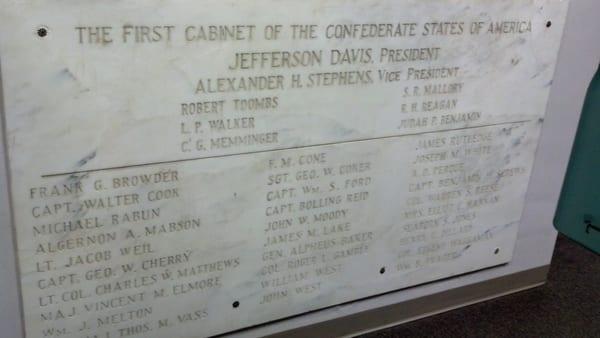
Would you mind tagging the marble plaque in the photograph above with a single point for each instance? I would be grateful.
(191, 168)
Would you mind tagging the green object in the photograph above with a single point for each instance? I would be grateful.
(578, 212)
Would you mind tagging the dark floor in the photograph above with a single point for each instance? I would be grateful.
(567, 306)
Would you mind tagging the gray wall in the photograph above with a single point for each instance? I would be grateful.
(10, 308)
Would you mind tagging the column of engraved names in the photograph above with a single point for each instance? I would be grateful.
(96, 263)
(311, 201)
(225, 124)
(454, 177)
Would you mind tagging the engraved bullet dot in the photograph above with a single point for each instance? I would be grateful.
(236, 304)
(496, 251)
(382, 270)
(42, 32)
(548, 24)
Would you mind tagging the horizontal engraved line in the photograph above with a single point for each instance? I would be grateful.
(273, 150)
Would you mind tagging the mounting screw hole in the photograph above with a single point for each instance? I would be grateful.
(42, 32)
(548, 24)
(496, 251)
(235, 304)
(382, 270)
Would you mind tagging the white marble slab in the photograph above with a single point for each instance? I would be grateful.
(295, 156)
